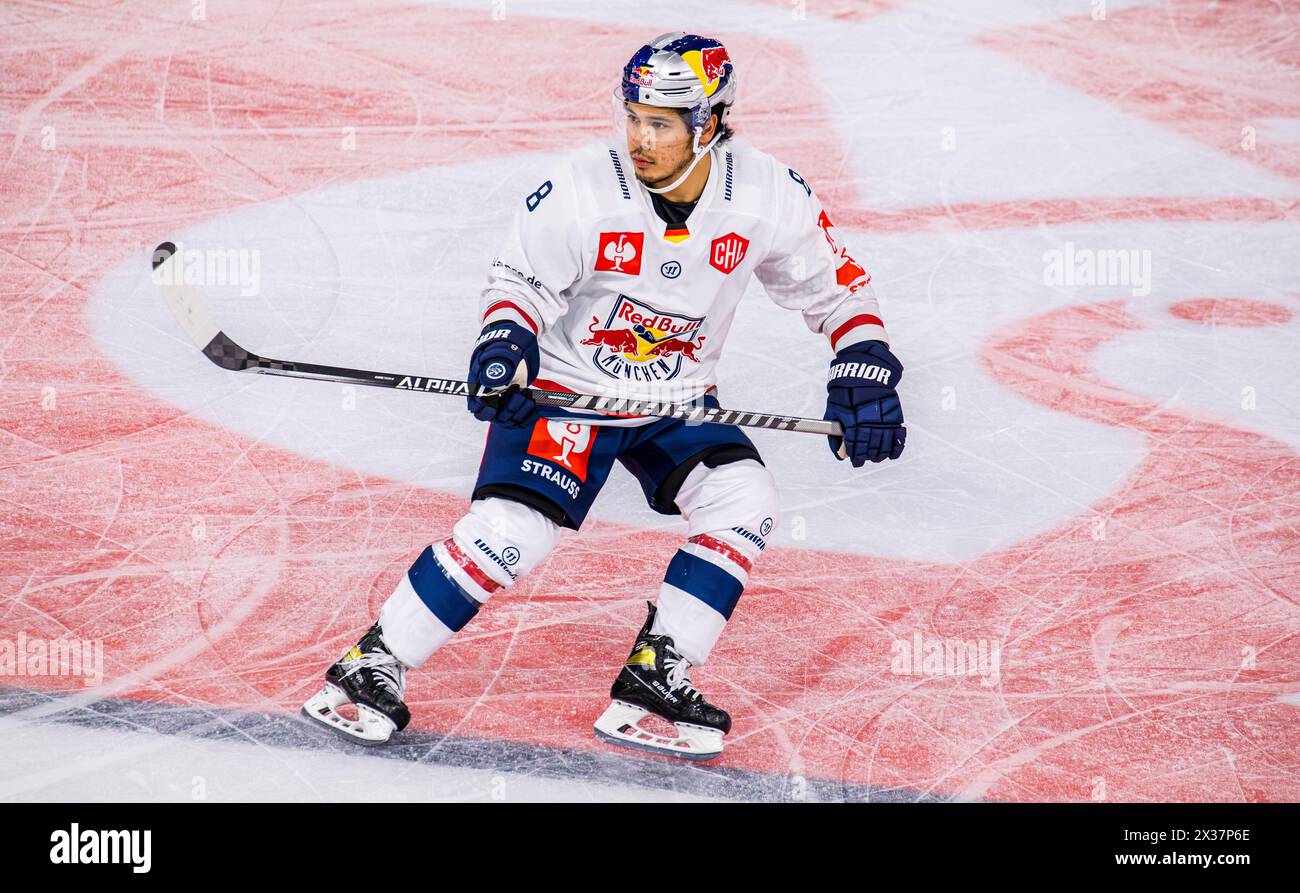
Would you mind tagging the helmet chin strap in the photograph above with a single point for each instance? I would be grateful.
(699, 153)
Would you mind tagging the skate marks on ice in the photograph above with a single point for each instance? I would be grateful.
(1183, 587)
(148, 526)
(1121, 631)
(1148, 647)
(1114, 645)
(1220, 74)
(937, 512)
(228, 754)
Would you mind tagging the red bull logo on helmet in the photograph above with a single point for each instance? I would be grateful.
(641, 75)
(714, 61)
(710, 65)
(641, 343)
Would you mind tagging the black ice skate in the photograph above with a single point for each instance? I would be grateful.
(655, 680)
(373, 680)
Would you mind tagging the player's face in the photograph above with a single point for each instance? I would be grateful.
(659, 142)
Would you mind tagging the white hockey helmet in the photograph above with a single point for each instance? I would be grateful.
(685, 72)
(682, 71)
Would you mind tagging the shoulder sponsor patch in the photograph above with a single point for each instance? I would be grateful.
(847, 271)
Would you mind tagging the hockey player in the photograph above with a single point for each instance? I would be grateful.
(620, 276)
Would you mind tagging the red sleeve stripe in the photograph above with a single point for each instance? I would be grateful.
(862, 319)
(475, 573)
(510, 305)
(724, 549)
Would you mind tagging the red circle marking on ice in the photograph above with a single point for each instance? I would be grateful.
(1232, 312)
(1114, 645)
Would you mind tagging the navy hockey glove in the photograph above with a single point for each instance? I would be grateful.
(505, 359)
(860, 396)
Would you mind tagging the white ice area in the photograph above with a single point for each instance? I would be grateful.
(385, 274)
(52, 762)
(896, 79)
(1244, 377)
(1017, 133)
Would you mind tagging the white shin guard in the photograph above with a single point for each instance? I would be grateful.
(730, 511)
(495, 544)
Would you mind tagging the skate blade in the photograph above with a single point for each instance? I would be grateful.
(370, 727)
(619, 725)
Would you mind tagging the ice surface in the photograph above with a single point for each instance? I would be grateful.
(1100, 480)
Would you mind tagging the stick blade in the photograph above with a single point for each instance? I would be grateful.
(182, 299)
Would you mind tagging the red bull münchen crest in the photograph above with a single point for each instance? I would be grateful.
(641, 343)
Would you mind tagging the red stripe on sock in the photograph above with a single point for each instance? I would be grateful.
(724, 549)
(475, 572)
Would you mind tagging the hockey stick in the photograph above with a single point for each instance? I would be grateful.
(221, 349)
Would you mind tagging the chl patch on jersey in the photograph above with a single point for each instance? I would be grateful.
(620, 253)
(847, 271)
(642, 343)
(566, 444)
(727, 252)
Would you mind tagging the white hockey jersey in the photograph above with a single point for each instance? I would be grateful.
(625, 305)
